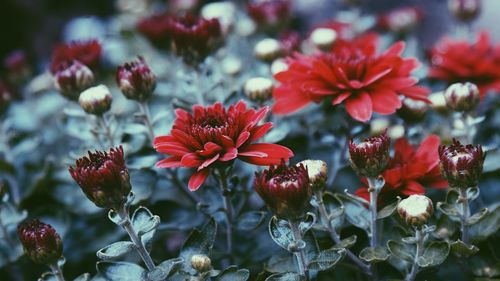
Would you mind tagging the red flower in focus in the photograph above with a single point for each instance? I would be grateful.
(353, 74)
(86, 52)
(460, 61)
(410, 170)
(213, 136)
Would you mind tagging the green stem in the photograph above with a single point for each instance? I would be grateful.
(299, 253)
(107, 132)
(467, 128)
(372, 188)
(419, 236)
(144, 108)
(57, 271)
(465, 215)
(228, 210)
(127, 225)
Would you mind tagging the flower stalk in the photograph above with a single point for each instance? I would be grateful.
(57, 271)
(126, 224)
(373, 189)
(228, 210)
(146, 116)
(105, 127)
(419, 237)
(464, 201)
(298, 250)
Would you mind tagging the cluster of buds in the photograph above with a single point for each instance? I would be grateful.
(412, 111)
(465, 10)
(317, 171)
(72, 79)
(41, 242)
(461, 165)
(259, 89)
(103, 177)
(415, 210)
(96, 100)
(136, 80)
(462, 97)
(285, 189)
(270, 15)
(370, 157)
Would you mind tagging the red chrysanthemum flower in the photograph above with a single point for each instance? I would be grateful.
(455, 61)
(156, 28)
(410, 170)
(86, 52)
(40, 241)
(213, 136)
(353, 74)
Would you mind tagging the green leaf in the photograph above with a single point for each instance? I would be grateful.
(157, 274)
(335, 209)
(450, 210)
(326, 259)
(115, 250)
(307, 223)
(486, 226)
(171, 266)
(232, 273)
(477, 216)
(459, 247)
(401, 250)
(472, 193)
(9, 215)
(83, 277)
(121, 271)
(374, 255)
(288, 276)
(346, 243)
(144, 221)
(250, 220)
(356, 213)
(280, 232)
(435, 253)
(388, 210)
(199, 242)
(445, 228)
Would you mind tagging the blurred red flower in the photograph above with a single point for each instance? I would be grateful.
(353, 74)
(86, 52)
(461, 61)
(409, 170)
(213, 136)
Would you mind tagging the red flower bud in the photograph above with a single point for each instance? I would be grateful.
(136, 80)
(412, 111)
(370, 157)
(465, 10)
(41, 242)
(86, 52)
(415, 210)
(317, 171)
(462, 96)
(103, 177)
(285, 189)
(269, 14)
(96, 100)
(73, 79)
(461, 165)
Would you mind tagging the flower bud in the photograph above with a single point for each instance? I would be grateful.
(231, 66)
(415, 210)
(278, 66)
(270, 15)
(41, 242)
(259, 89)
(412, 111)
(462, 97)
(201, 263)
(317, 172)
(323, 38)
(103, 177)
(136, 80)
(224, 11)
(400, 21)
(96, 100)
(268, 49)
(370, 157)
(461, 165)
(465, 10)
(285, 189)
(70, 81)
(438, 103)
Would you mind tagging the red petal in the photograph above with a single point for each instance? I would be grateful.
(207, 162)
(403, 150)
(260, 131)
(172, 162)
(413, 187)
(292, 101)
(191, 160)
(359, 106)
(197, 179)
(230, 154)
(242, 138)
(340, 98)
(275, 153)
(385, 101)
(428, 151)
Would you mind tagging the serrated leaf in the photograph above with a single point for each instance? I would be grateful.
(250, 220)
(115, 250)
(326, 259)
(280, 232)
(287, 276)
(435, 253)
(83, 277)
(355, 212)
(373, 255)
(121, 271)
(477, 216)
(388, 210)
(486, 226)
(346, 243)
(401, 250)
(199, 241)
(462, 249)
(144, 221)
(232, 273)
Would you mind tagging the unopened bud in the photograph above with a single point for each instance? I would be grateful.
(268, 49)
(412, 111)
(278, 66)
(461, 165)
(438, 103)
(465, 10)
(415, 210)
(74, 79)
(317, 171)
(462, 97)
(201, 263)
(259, 89)
(96, 100)
(323, 38)
(41, 242)
(370, 157)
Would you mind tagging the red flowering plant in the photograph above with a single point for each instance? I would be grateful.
(351, 74)
(410, 170)
(455, 61)
(86, 52)
(213, 136)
